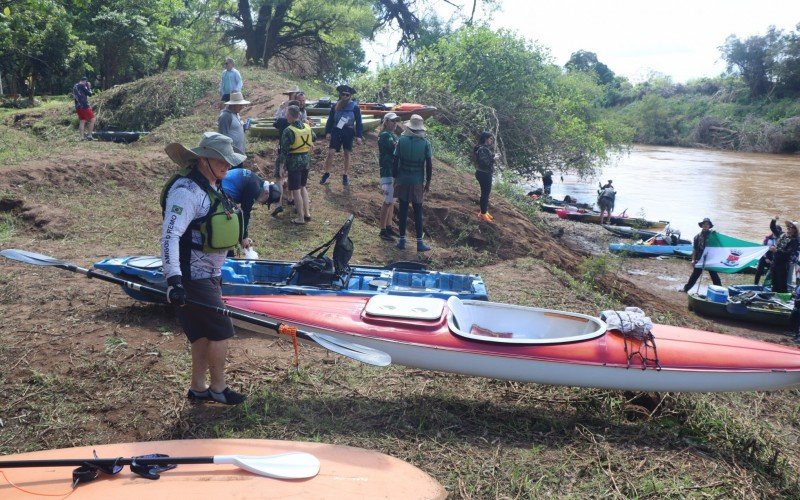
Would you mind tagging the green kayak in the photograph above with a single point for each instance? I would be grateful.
(766, 313)
(263, 128)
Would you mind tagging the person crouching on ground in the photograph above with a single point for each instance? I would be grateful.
(197, 232)
(230, 123)
(784, 251)
(387, 142)
(343, 125)
(81, 92)
(484, 156)
(412, 165)
(245, 188)
(295, 157)
(698, 247)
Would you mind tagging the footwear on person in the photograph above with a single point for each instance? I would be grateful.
(484, 217)
(227, 397)
(290, 202)
(345, 181)
(421, 246)
(325, 177)
(88, 137)
(386, 236)
(306, 218)
(391, 232)
(490, 216)
(278, 210)
(198, 395)
(401, 243)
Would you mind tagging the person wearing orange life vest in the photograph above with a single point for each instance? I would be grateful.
(295, 158)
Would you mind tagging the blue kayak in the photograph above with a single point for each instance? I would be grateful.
(269, 277)
(649, 250)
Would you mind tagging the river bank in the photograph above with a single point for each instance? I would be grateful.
(85, 364)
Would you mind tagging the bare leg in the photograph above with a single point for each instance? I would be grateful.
(199, 364)
(299, 205)
(217, 351)
(385, 215)
(390, 215)
(346, 162)
(306, 202)
(329, 160)
(80, 127)
(91, 127)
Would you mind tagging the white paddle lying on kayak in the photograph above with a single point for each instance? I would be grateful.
(293, 465)
(358, 352)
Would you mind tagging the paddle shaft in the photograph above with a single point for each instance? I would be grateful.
(273, 325)
(73, 462)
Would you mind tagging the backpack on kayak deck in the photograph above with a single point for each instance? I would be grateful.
(317, 269)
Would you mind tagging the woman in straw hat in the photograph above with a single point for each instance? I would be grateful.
(230, 123)
(413, 165)
(192, 254)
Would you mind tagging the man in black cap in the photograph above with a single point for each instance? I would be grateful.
(343, 125)
(698, 247)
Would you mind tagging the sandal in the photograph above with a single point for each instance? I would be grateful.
(227, 397)
(199, 395)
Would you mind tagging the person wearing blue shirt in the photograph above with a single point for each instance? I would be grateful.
(246, 188)
(230, 82)
(343, 125)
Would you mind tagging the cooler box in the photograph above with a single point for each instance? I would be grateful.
(717, 294)
(735, 290)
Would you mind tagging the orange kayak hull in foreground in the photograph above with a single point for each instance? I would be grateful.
(345, 472)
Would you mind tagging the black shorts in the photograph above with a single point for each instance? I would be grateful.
(201, 323)
(342, 137)
(297, 179)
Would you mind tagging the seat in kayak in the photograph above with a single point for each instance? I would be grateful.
(510, 324)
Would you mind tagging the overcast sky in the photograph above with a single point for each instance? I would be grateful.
(679, 38)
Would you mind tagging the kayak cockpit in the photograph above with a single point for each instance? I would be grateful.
(510, 324)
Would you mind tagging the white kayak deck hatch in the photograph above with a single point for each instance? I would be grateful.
(400, 306)
(510, 324)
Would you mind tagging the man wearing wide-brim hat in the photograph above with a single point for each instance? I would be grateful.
(229, 122)
(200, 225)
(412, 167)
(698, 248)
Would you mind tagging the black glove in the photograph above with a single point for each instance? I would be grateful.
(176, 294)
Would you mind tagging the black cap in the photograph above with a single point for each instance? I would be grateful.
(84, 79)
(345, 88)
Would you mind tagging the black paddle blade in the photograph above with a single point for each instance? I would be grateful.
(32, 258)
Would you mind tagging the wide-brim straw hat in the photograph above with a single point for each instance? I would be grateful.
(415, 123)
(236, 98)
(293, 90)
(793, 223)
(212, 145)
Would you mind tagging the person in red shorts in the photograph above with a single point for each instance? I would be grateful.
(81, 92)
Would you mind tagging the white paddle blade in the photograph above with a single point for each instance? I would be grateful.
(294, 465)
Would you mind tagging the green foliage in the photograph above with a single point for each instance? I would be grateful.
(147, 103)
(485, 80)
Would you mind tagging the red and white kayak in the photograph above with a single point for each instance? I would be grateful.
(528, 344)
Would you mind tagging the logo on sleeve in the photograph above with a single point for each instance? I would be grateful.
(176, 209)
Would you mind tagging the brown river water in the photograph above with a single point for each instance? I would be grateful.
(740, 192)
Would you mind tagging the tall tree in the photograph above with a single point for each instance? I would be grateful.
(754, 59)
